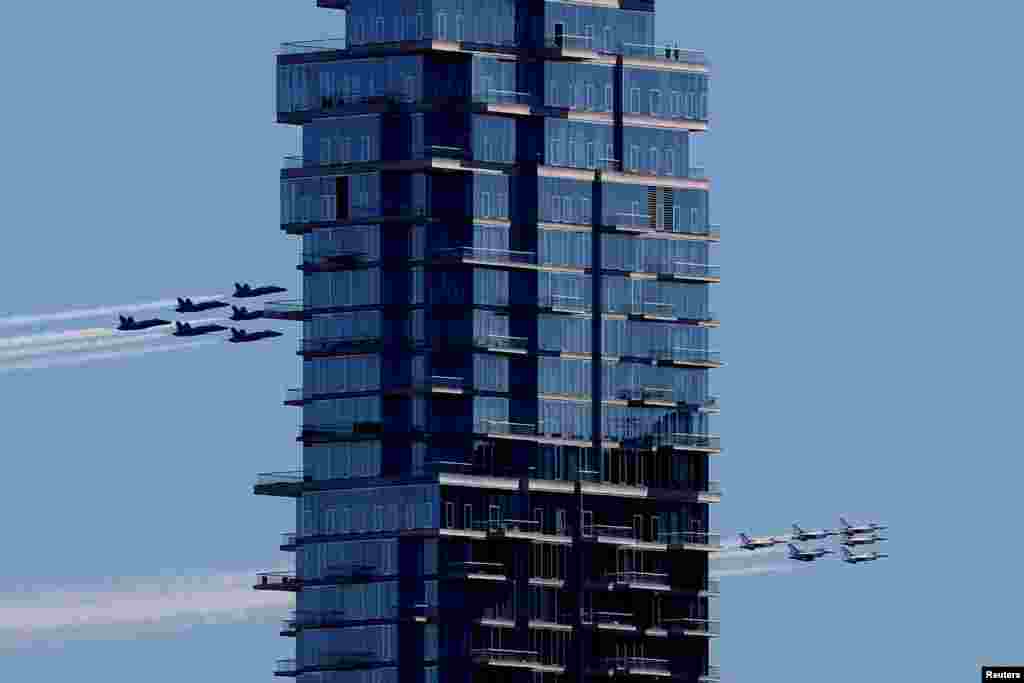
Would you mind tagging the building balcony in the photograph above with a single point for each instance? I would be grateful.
(478, 571)
(289, 541)
(700, 443)
(328, 662)
(278, 581)
(685, 626)
(337, 346)
(634, 666)
(510, 528)
(505, 98)
(292, 309)
(687, 271)
(563, 303)
(512, 659)
(713, 674)
(681, 356)
(639, 580)
(610, 621)
(702, 541)
(341, 431)
(497, 343)
(438, 384)
(284, 484)
(309, 619)
(333, 261)
(490, 257)
(653, 396)
(300, 47)
(504, 428)
(633, 222)
(287, 668)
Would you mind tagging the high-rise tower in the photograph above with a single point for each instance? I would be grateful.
(505, 401)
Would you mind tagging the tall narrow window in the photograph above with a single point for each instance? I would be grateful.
(655, 102)
(634, 158)
(442, 26)
(460, 23)
(379, 23)
(591, 157)
(652, 160)
(609, 105)
(634, 97)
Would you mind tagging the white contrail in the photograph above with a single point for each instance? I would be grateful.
(80, 345)
(56, 361)
(180, 602)
(55, 337)
(774, 568)
(78, 313)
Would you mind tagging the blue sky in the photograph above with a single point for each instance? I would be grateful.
(862, 157)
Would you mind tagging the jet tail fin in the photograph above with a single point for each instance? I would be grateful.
(793, 550)
(744, 538)
(179, 327)
(844, 523)
(797, 530)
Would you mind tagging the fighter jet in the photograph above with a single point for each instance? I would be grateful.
(243, 313)
(748, 543)
(241, 336)
(807, 555)
(186, 305)
(803, 535)
(128, 323)
(863, 529)
(863, 539)
(186, 330)
(853, 558)
(244, 291)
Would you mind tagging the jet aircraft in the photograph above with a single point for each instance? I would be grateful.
(187, 330)
(855, 558)
(807, 555)
(804, 535)
(243, 313)
(245, 291)
(863, 539)
(239, 336)
(849, 530)
(186, 305)
(128, 323)
(748, 543)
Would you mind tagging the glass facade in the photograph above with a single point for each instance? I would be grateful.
(505, 406)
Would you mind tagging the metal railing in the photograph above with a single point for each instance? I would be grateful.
(714, 673)
(668, 53)
(314, 432)
(492, 96)
(645, 578)
(706, 538)
(564, 41)
(632, 220)
(312, 619)
(289, 538)
(701, 441)
(270, 478)
(687, 269)
(297, 47)
(503, 427)
(714, 488)
(286, 667)
(566, 303)
(485, 568)
(335, 344)
(501, 656)
(685, 354)
(526, 526)
(655, 308)
(502, 342)
(636, 663)
(339, 257)
(285, 579)
(605, 617)
(610, 530)
(488, 255)
(709, 626)
(652, 394)
(284, 307)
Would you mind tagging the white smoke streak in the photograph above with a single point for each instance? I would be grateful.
(176, 602)
(76, 314)
(55, 337)
(77, 346)
(774, 568)
(56, 361)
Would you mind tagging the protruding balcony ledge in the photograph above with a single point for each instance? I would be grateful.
(329, 662)
(702, 443)
(688, 271)
(610, 621)
(291, 309)
(514, 659)
(498, 429)
(333, 346)
(688, 357)
(650, 396)
(563, 303)
(341, 431)
(278, 581)
(713, 675)
(444, 385)
(311, 619)
(634, 666)
(285, 484)
(477, 571)
(641, 224)
(644, 580)
(497, 343)
(692, 540)
(687, 626)
(333, 261)
(289, 541)
(478, 255)
(299, 47)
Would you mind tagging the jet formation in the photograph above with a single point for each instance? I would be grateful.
(239, 336)
(130, 324)
(847, 536)
(186, 305)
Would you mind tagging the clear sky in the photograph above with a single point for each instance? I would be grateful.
(862, 156)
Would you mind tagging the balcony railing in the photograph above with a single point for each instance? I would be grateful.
(499, 342)
(655, 308)
(284, 309)
(610, 531)
(565, 303)
(684, 269)
(337, 344)
(280, 581)
(713, 675)
(703, 538)
(565, 41)
(289, 539)
(707, 626)
(313, 619)
(286, 667)
(639, 578)
(510, 428)
(701, 442)
(504, 97)
(682, 354)
(713, 488)
(500, 657)
(439, 383)
(636, 664)
(272, 478)
(603, 617)
(326, 433)
(334, 259)
(502, 256)
(652, 394)
(667, 53)
(504, 526)
(486, 569)
(623, 219)
(306, 46)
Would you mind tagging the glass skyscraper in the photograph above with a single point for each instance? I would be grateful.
(505, 403)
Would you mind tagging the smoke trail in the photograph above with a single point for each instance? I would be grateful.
(119, 610)
(55, 337)
(77, 345)
(56, 361)
(76, 314)
(773, 568)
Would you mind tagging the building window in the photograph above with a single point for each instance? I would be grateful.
(572, 152)
(652, 160)
(442, 26)
(677, 103)
(588, 100)
(365, 151)
(609, 155)
(634, 158)
(380, 28)
(670, 162)
(459, 26)
(554, 151)
(634, 100)
(467, 516)
(609, 105)
(655, 102)
(591, 157)
(449, 515)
